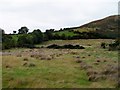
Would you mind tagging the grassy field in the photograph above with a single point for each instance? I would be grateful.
(66, 33)
(85, 30)
(92, 67)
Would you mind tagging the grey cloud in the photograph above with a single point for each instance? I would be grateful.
(46, 14)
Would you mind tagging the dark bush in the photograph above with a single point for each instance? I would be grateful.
(29, 46)
(7, 42)
(69, 46)
(32, 65)
(54, 46)
(103, 45)
(115, 45)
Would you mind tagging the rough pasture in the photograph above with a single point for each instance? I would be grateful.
(61, 68)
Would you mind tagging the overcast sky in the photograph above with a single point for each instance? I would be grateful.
(47, 14)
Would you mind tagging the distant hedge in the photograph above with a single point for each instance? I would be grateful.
(69, 46)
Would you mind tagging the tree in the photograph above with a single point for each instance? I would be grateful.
(49, 34)
(51, 30)
(25, 40)
(14, 32)
(23, 30)
(63, 36)
(7, 42)
(56, 36)
(3, 32)
(37, 36)
(21, 40)
(61, 29)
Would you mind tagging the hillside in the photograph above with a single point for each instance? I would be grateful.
(107, 27)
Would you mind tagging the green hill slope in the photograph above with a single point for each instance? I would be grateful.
(106, 28)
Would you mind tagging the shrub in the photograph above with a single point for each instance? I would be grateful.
(103, 45)
(25, 59)
(69, 46)
(54, 46)
(32, 65)
(115, 45)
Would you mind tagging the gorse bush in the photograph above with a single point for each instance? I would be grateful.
(115, 45)
(103, 45)
(69, 46)
(112, 46)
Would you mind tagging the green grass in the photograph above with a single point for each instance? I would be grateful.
(15, 37)
(49, 73)
(60, 72)
(66, 33)
(85, 29)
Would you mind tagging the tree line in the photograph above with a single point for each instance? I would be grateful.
(24, 38)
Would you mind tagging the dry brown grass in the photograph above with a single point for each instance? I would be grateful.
(62, 70)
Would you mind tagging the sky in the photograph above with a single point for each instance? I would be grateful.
(53, 14)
